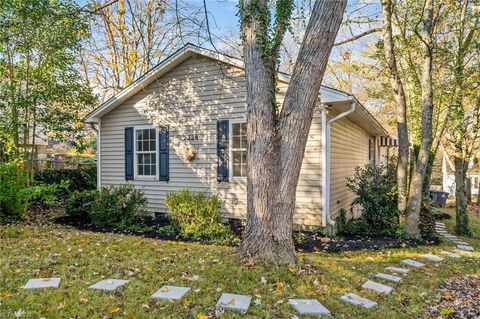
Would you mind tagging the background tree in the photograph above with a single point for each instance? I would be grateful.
(41, 90)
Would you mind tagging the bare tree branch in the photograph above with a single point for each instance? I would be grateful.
(358, 36)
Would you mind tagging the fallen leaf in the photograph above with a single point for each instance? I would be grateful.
(113, 310)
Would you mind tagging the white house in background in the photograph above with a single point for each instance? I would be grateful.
(182, 125)
(448, 174)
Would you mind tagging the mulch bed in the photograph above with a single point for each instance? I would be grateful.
(460, 299)
(308, 242)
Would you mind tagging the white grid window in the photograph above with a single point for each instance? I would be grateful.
(238, 149)
(146, 152)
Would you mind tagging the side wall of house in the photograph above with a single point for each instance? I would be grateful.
(190, 99)
(348, 149)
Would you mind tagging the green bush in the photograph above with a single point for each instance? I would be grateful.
(123, 207)
(78, 179)
(375, 188)
(197, 216)
(45, 195)
(80, 204)
(13, 203)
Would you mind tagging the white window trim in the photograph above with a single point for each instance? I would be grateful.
(135, 166)
(230, 149)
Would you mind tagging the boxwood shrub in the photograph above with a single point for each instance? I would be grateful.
(197, 215)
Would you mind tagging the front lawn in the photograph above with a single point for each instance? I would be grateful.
(82, 258)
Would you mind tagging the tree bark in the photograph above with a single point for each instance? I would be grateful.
(461, 214)
(400, 105)
(277, 140)
(416, 185)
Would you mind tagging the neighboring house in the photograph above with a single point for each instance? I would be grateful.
(182, 125)
(448, 172)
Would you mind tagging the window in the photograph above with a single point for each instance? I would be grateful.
(238, 149)
(146, 152)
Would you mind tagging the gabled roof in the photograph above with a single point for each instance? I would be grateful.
(328, 95)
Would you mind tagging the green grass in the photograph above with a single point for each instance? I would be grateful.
(82, 258)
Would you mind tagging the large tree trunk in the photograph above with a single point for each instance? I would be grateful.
(400, 105)
(418, 175)
(461, 214)
(277, 139)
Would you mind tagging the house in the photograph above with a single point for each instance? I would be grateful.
(182, 125)
(448, 175)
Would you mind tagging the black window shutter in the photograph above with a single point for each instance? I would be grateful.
(163, 150)
(129, 153)
(222, 150)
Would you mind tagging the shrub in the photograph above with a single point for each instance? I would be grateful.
(79, 179)
(376, 191)
(197, 216)
(43, 195)
(80, 204)
(123, 207)
(13, 204)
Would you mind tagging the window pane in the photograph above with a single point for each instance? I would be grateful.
(236, 142)
(140, 170)
(244, 157)
(152, 145)
(244, 170)
(153, 170)
(244, 141)
(236, 129)
(237, 170)
(237, 157)
(140, 158)
(139, 146)
(139, 135)
(243, 127)
(147, 170)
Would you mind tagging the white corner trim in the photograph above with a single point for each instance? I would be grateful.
(99, 154)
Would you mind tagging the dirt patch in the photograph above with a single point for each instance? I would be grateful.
(460, 299)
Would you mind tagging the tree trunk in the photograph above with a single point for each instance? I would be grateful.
(461, 206)
(400, 105)
(416, 185)
(277, 140)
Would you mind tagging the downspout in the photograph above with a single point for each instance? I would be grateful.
(326, 220)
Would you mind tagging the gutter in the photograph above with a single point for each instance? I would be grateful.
(326, 220)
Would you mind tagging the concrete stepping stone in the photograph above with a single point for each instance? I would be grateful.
(413, 263)
(109, 284)
(460, 243)
(449, 254)
(234, 302)
(465, 248)
(433, 258)
(42, 283)
(311, 307)
(398, 270)
(388, 277)
(377, 287)
(356, 300)
(170, 293)
(441, 224)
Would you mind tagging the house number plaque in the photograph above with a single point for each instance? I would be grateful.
(191, 137)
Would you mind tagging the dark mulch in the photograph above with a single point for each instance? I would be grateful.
(460, 299)
(304, 241)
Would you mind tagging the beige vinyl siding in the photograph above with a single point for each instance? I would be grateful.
(349, 149)
(194, 96)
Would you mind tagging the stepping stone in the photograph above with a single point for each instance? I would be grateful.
(108, 284)
(42, 283)
(356, 300)
(456, 242)
(413, 263)
(433, 258)
(398, 270)
(310, 307)
(234, 302)
(465, 248)
(449, 254)
(440, 224)
(170, 293)
(375, 286)
(391, 278)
